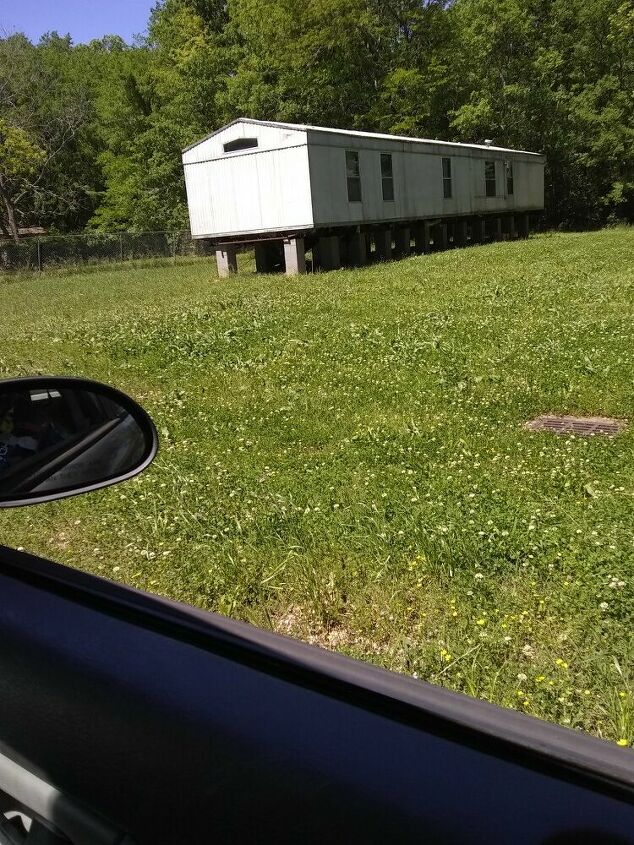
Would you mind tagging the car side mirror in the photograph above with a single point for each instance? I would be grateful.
(63, 436)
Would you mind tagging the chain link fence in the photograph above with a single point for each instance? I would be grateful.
(56, 251)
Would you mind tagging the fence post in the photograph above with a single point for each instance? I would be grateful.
(39, 255)
(120, 246)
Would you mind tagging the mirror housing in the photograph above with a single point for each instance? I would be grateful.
(62, 436)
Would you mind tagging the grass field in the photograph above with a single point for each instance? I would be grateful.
(343, 458)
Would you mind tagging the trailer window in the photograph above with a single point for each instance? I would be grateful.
(387, 177)
(508, 167)
(489, 179)
(353, 176)
(240, 144)
(446, 178)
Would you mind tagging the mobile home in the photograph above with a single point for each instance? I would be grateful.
(348, 196)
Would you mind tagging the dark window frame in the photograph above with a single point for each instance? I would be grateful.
(508, 171)
(447, 178)
(387, 177)
(490, 183)
(353, 175)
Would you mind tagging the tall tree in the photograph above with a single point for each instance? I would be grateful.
(20, 157)
(94, 132)
(155, 99)
(45, 98)
(540, 74)
(417, 90)
(318, 62)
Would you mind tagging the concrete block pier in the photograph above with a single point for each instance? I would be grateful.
(349, 246)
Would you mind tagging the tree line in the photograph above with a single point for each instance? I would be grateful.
(91, 134)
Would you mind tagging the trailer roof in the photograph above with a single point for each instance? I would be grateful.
(305, 127)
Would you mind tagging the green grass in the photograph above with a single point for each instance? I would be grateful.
(343, 458)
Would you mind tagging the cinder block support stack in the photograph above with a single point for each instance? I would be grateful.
(227, 261)
(383, 244)
(328, 253)
(402, 241)
(440, 236)
(477, 230)
(523, 226)
(421, 237)
(460, 233)
(356, 249)
(294, 256)
(496, 228)
(510, 226)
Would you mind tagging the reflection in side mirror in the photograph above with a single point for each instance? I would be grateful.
(64, 436)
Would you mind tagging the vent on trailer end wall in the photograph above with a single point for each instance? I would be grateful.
(240, 144)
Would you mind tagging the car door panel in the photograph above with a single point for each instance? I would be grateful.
(177, 725)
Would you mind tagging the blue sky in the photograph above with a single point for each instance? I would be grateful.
(83, 19)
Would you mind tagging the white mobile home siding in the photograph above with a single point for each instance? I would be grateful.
(295, 179)
(262, 189)
(418, 181)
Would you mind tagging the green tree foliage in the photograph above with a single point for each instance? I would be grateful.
(417, 92)
(156, 98)
(557, 76)
(101, 126)
(46, 95)
(124, 105)
(19, 159)
(317, 62)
